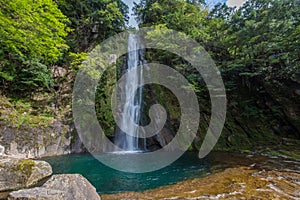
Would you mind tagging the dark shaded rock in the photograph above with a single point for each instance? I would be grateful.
(165, 137)
(76, 144)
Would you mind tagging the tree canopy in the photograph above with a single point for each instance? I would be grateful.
(256, 48)
(32, 35)
(93, 21)
(37, 35)
(261, 38)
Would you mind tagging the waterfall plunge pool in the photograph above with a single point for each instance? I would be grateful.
(109, 181)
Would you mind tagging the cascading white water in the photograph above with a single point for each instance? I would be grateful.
(132, 106)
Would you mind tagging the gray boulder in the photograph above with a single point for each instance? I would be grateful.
(37, 193)
(21, 173)
(2, 150)
(74, 186)
(59, 187)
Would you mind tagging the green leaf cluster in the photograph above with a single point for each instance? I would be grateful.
(31, 38)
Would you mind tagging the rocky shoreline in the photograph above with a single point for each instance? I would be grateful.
(33, 180)
(36, 142)
(245, 177)
(232, 183)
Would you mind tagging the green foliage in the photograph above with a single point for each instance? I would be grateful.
(93, 21)
(31, 38)
(188, 17)
(261, 36)
(76, 60)
(21, 112)
(103, 101)
(256, 47)
(24, 167)
(179, 15)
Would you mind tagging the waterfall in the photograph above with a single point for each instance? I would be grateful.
(132, 106)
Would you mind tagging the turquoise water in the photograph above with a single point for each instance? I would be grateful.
(107, 180)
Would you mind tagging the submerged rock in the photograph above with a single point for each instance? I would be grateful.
(21, 173)
(232, 183)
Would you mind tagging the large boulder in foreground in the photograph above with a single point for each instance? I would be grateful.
(37, 193)
(62, 187)
(21, 173)
(75, 187)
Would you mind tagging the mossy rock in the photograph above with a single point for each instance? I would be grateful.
(21, 173)
(24, 167)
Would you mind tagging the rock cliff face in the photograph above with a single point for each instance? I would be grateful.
(258, 116)
(33, 129)
(35, 142)
(265, 119)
